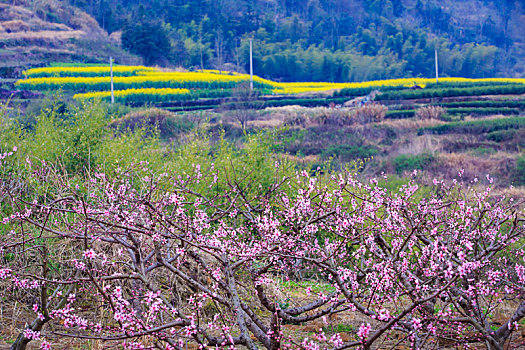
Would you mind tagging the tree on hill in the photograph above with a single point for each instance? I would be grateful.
(147, 39)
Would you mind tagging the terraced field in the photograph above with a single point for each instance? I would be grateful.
(208, 89)
(398, 125)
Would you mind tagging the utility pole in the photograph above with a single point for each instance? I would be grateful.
(437, 74)
(111, 75)
(251, 66)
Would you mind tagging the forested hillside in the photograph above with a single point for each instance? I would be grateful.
(330, 40)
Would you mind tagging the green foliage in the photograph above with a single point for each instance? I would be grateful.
(518, 175)
(501, 135)
(475, 127)
(406, 162)
(166, 123)
(86, 139)
(76, 140)
(482, 151)
(348, 153)
(339, 328)
(147, 39)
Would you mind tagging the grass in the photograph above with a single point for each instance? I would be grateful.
(317, 287)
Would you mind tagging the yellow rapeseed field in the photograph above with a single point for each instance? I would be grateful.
(94, 71)
(137, 95)
(150, 81)
(295, 88)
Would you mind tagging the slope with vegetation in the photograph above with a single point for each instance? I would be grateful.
(33, 33)
(326, 40)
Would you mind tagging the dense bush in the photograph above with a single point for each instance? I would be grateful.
(407, 162)
(167, 123)
(518, 175)
(501, 135)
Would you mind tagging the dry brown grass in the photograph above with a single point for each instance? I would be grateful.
(30, 20)
(417, 145)
(48, 35)
(14, 26)
(410, 124)
(116, 38)
(305, 116)
(497, 165)
(373, 112)
(430, 112)
(143, 117)
(9, 12)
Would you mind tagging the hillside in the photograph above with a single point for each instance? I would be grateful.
(324, 40)
(41, 32)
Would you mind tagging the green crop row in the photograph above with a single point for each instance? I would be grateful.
(190, 108)
(485, 104)
(511, 89)
(484, 111)
(405, 114)
(475, 127)
(400, 114)
(355, 92)
(468, 84)
(314, 102)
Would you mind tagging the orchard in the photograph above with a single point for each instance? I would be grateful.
(139, 259)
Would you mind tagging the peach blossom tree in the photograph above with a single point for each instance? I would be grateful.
(160, 261)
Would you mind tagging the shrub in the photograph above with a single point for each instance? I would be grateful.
(406, 162)
(518, 175)
(167, 123)
(430, 112)
(501, 135)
